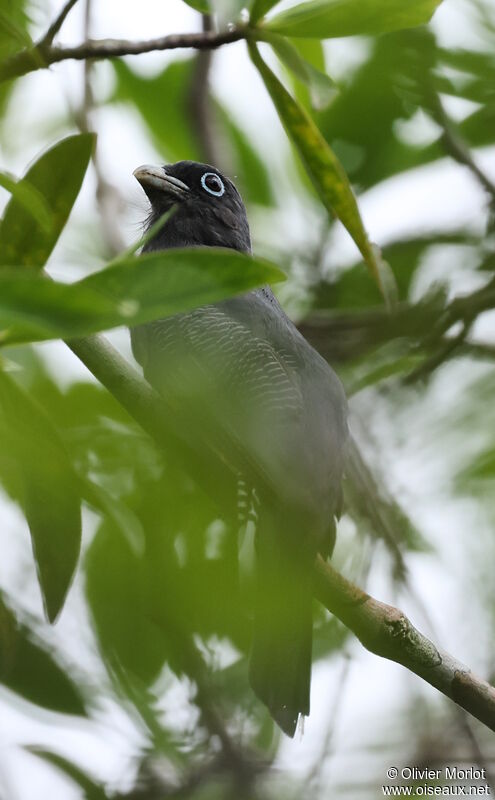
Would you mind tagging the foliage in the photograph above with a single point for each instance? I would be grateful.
(168, 595)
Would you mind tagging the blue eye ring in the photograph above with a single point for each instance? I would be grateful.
(217, 193)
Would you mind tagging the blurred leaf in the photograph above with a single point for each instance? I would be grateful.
(92, 789)
(32, 672)
(14, 35)
(57, 175)
(51, 501)
(477, 79)
(129, 292)
(353, 289)
(321, 87)
(148, 607)
(8, 639)
(260, 8)
(481, 471)
(199, 5)
(125, 622)
(334, 18)
(253, 180)
(30, 198)
(329, 637)
(13, 27)
(162, 101)
(107, 449)
(150, 233)
(122, 517)
(479, 127)
(324, 169)
(364, 122)
(384, 369)
(374, 509)
(361, 124)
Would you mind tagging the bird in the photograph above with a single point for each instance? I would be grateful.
(242, 365)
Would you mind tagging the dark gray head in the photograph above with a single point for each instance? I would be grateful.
(209, 209)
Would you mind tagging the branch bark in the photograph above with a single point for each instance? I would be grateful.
(387, 632)
(382, 629)
(42, 55)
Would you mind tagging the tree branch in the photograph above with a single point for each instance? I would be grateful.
(42, 56)
(57, 23)
(387, 632)
(382, 629)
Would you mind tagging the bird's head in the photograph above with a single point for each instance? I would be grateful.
(209, 209)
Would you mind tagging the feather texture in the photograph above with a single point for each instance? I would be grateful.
(242, 366)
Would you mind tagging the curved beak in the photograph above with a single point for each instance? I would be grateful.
(155, 179)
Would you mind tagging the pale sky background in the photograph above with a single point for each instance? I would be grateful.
(442, 195)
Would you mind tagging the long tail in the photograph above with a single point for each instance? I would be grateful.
(280, 667)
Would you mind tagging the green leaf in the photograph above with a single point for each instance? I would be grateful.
(51, 500)
(131, 291)
(199, 5)
(30, 670)
(92, 789)
(117, 512)
(251, 172)
(321, 87)
(361, 125)
(57, 175)
(13, 37)
(325, 19)
(30, 198)
(326, 173)
(162, 101)
(260, 8)
(13, 27)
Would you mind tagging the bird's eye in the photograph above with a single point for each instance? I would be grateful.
(212, 184)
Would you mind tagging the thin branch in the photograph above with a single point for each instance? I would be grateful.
(447, 349)
(387, 632)
(454, 144)
(341, 337)
(464, 309)
(457, 148)
(41, 56)
(57, 23)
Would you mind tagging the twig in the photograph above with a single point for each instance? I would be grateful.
(387, 632)
(456, 146)
(42, 56)
(447, 349)
(462, 309)
(57, 23)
